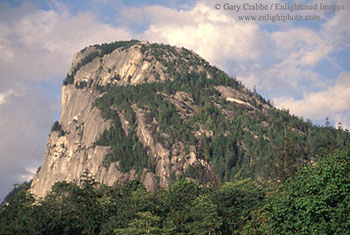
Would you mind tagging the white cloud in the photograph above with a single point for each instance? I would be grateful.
(2, 98)
(37, 44)
(307, 45)
(250, 80)
(4, 95)
(28, 175)
(337, 29)
(332, 102)
(211, 33)
(311, 57)
(298, 50)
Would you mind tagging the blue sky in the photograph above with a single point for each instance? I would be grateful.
(303, 66)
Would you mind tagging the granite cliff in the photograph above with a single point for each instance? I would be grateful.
(156, 113)
(71, 151)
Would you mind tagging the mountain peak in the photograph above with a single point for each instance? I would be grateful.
(116, 63)
(157, 113)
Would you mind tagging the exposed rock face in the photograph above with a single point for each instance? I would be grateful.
(157, 151)
(69, 155)
(183, 102)
(71, 151)
(175, 160)
(240, 98)
(232, 95)
(121, 67)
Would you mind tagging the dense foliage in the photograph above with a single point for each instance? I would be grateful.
(315, 201)
(129, 209)
(125, 148)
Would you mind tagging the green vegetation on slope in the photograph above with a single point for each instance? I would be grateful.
(125, 148)
(257, 141)
(317, 200)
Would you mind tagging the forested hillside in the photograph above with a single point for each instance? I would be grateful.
(242, 136)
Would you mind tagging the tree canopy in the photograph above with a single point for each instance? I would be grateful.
(315, 201)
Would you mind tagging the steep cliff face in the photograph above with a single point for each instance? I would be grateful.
(72, 150)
